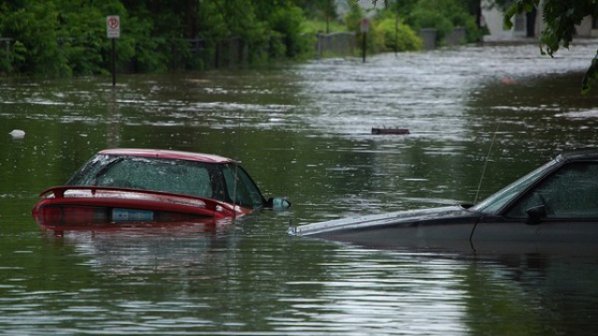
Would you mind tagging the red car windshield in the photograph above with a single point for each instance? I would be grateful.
(209, 180)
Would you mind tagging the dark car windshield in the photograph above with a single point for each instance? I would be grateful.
(570, 192)
(208, 180)
(497, 201)
(240, 187)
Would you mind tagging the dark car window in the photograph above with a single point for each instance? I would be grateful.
(570, 192)
(241, 188)
(223, 182)
(174, 176)
(167, 176)
(499, 200)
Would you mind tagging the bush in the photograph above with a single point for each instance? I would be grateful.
(63, 38)
(35, 39)
(319, 26)
(424, 17)
(442, 15)
(353, 17)
(384, 34)
(391, 37)
(286, 22)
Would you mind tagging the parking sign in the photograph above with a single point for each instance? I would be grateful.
(113, 26)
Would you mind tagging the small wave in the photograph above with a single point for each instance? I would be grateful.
(580, 114)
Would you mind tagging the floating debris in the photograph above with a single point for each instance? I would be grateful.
(17, 134)
(376, 130)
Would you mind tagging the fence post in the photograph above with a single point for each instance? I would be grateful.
(364, 26)
(6, 41)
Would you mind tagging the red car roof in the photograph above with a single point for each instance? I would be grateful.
(167, 154)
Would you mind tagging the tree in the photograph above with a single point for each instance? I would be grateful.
(444, 16)
(560, 19)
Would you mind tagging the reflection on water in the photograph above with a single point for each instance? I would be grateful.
(253, 284)
(303, 132)
(408, 294)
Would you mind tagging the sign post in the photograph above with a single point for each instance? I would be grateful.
(113, 32)
(364, 27)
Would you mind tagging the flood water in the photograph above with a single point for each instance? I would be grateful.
(302, 131)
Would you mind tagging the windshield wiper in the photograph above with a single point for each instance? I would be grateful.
(105, 169)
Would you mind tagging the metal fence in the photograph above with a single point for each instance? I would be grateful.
(234, 51)
(335, 44)
(429, 37)
(5, 45)
(227, 52)
(230, 52)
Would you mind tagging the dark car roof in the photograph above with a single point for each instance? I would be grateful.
(167, 154)
(580, 154)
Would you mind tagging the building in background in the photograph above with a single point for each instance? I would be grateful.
(526, 27)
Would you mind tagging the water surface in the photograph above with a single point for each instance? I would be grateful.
(303, 132)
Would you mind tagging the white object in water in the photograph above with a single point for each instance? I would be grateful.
(17, 134)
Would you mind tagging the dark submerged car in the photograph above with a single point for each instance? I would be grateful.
(553, 207)
(150, 185)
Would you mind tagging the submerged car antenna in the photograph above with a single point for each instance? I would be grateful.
(477, 194)
(237, 163)
(236, 181)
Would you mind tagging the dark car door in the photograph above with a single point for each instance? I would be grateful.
(560, 213)
(497, 234)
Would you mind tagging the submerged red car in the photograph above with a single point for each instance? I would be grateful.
(150, 185)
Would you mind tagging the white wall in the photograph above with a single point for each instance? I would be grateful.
(493, 18)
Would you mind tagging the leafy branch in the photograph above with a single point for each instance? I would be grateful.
(560, 18)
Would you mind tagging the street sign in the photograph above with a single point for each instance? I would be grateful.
(113, 26)
(364, 25)
(113, 32)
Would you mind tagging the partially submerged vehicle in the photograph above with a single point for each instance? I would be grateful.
(554, 206)
(149, 185)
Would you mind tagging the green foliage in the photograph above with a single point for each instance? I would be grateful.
(591, 77)
(560, 18)
(80, 38)
(318, 9)
(354, 16)
(53, 42)
(64, 37)
(19, 53)
(395, 36)
(385, 33)
(286, 21)
(35, 31)
(425, 17)
(140, 46)
(442, 15)
(316, 26)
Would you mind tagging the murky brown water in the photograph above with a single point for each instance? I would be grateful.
(303, 132)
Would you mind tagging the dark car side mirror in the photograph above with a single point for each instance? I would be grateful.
(536, 214)
(278, 203)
